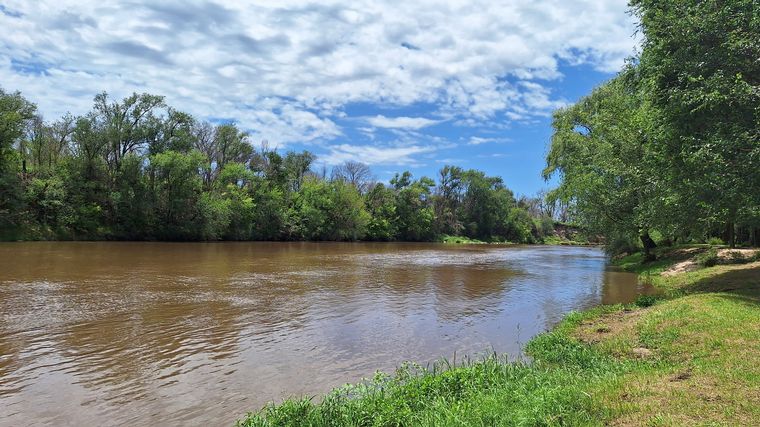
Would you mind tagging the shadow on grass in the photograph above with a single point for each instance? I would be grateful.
(743, 283)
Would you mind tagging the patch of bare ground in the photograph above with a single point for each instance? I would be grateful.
(681, 267)
(615, 331)
(687, 258)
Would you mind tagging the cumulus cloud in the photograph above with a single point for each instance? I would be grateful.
(286, 70)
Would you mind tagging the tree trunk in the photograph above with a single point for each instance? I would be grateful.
(730, 234)
(648, 244)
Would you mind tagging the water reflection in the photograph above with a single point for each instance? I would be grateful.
(149, 333)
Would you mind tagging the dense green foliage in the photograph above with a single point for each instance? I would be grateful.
(670, 148)
(138, 169)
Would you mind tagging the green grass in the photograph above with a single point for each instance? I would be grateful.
(460, 240)
(548, 240)
(692, 358)
(557, 240)
(635, 264)
(551, 390)
(704, 346)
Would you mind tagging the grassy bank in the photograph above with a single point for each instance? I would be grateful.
(561, 241)
(691, 358)
(460, 240)
(553, 240)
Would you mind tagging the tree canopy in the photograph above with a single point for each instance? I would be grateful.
(671, 146)
(139, 169)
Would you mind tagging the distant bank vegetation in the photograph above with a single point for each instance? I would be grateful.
(137, 169)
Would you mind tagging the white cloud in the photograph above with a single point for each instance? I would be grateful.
(287, 69)
(478, 140)
(413, 123)
(451, 161)
(376, 155)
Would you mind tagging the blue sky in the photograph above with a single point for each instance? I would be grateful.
(514, 150)
(398, 85)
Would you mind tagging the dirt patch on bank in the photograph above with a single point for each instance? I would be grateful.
(741, 254)
(689, 259)
(681, 267)
(619, 327)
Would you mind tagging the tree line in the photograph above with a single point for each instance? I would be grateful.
(669, 150)
(138, 169)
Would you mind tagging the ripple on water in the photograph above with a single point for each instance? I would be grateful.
(145, 334)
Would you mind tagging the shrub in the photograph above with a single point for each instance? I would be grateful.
(646, 300)
(621, 245)
(708, 258)
(715, 241)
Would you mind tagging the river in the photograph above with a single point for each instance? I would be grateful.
(140, 334)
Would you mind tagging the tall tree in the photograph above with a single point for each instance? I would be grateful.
(413, 207)
(486, 203)
(355, 173)
(448, 197)
(177, 192)
(600, 150)
(700, 64)
(15, 114)
(126, 126)
(295, 166)
(381, 204)
(48, 143)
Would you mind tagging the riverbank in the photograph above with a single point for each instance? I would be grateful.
(690, 357)
(553, 240)
(448, 239)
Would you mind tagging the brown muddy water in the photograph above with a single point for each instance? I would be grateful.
(140, 334)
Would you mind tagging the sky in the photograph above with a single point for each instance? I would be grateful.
(398, 85)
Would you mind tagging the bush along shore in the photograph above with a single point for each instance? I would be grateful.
(138, 169)
(687, 357)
